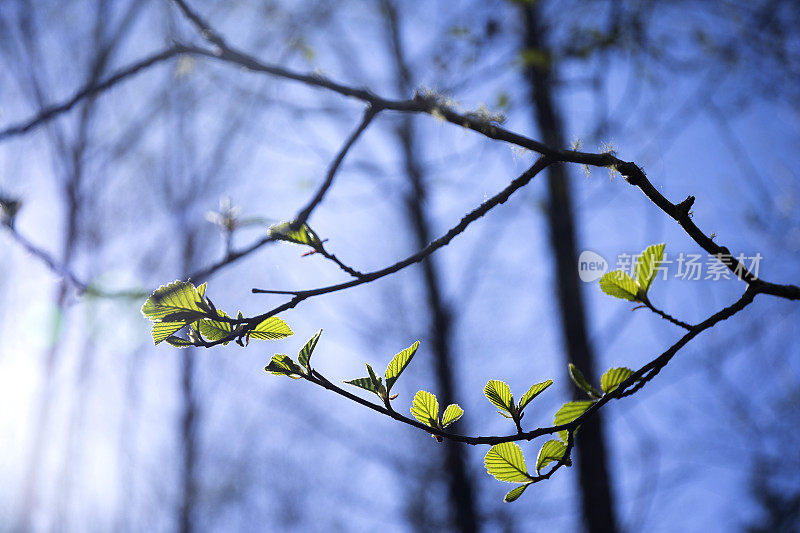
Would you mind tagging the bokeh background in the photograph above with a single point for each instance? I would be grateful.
(102, 431)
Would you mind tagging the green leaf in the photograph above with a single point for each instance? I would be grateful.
(569, 412)
(177, 297)
(499, 394)
(552, 451)
(505, 462)
(515, 493)
(303, 235)
(305, 354)
(172, 307)
(581, 382)
(376, 381)
(179, 342)
(215, 329)
(163, 330)
(613, 377)
(532, 393)
(282, 364)
(399, 363)
(451, 414)
(201, 290)
(425, 408)
(647, 266)
(271, 328)
(364, 383)
(619, 285)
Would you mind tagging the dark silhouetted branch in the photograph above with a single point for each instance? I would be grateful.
(92, 89)
(305, 212)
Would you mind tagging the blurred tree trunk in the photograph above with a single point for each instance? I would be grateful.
(188, 426)
(68, 166)
(460, 486)
(595, 489)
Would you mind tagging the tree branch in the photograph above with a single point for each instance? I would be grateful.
(665, 316)
(444, 240)
(431, 105)
(50, 112)
(635, 382)
(305, 212)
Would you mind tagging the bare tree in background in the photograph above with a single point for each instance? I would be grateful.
(70, 162)
(440, 315)
(597, 502)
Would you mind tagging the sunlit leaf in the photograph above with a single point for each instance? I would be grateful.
(499, 394)
(451, 414)
(515, 493)
(532, 393)
(505, 462)
(569, 412)
(163, 330)
(179, 342)
(581, 382)
(619, 285)
(271, 328)
(171, 307)
(178, 296)
(305, 354)
(378, 382)
(282, 364)
(647, 265)
(399, 363)
(425, 408)
(364, 383)
(302, 235)
(613, 377)
(215, 329)
(552, 451)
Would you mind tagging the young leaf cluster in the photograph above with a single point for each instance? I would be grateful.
(283, 365)
(572, 410)
(376, 385)
(619, 284)
(425, 408)
(499, 393)
(181, 305)
(506, 462)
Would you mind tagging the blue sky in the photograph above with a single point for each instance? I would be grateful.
(280, 454)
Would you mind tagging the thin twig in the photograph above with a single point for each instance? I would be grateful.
(444, 240)
(205, 272)
(667, 317)
(54, 265)
(305, 212)
(50, 112)
(432, 106)
(636, 381)
(350, 270)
